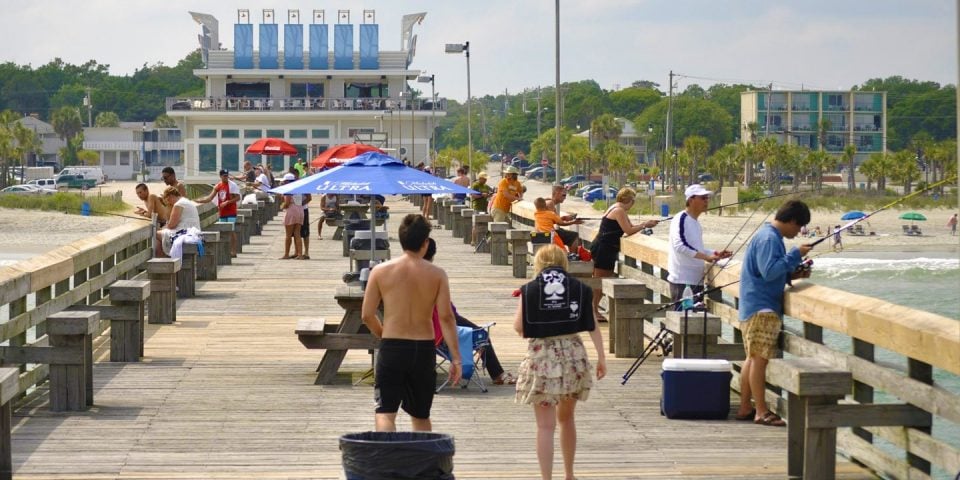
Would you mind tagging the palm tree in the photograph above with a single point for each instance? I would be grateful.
(905, 169)
(752, 129)
(696, 148)
(66, 122)
(723, 162)
(849, 154)
(604, 129)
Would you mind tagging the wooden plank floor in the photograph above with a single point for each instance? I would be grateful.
(227, 392)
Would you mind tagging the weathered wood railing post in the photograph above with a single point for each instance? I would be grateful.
(129, 297)
(499, 252)
(186, 277)
(226, 230)
(162, 273)
(457, 220)
(626, 312)
(481, 223)
(448, 220)
(258, 217)
(207, 263)
(9, 389)
(436, 208)
(519, 241)
(244, 224)
(467, 225)
(441, 210)
(71, 375)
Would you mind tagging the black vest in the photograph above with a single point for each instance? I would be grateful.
(555, 303)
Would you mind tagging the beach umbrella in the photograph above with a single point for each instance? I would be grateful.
(336, 155)
(853, 215)
(913, 216)
(372, 173)
(271, 146)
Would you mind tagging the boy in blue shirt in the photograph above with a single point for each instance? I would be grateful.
(767, 267)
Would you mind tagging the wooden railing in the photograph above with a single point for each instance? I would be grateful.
(925, 341)
(75, 274)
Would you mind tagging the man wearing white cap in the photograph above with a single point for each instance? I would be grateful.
(509, 190)
(687, 252)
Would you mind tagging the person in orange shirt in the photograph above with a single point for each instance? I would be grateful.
(509, 190)
(546, 220)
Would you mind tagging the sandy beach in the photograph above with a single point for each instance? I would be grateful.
(26, 232)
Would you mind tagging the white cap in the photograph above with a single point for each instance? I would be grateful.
(289, 177)
(696, 190)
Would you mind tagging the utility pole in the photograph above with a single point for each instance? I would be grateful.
(766, 130)
(668, 141)
(87, 103)
(556, 28)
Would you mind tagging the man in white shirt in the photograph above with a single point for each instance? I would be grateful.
(687, 253)
(263, 181)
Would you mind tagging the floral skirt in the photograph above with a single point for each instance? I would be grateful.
(555, 368)
(293, 215)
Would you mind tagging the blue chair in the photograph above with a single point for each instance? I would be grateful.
(474, 340)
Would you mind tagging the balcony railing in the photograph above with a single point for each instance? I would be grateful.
(232, 104)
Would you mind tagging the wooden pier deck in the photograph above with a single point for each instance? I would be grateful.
(227, 392)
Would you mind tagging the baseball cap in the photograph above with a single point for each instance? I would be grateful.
(289, 177)
(224, 172)
(696, 190)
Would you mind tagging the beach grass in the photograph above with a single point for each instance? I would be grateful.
(65, 202)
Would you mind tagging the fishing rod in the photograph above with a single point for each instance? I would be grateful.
(739, 203)
(92, 212)
(895, 202)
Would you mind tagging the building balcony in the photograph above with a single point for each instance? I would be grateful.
(293, 104)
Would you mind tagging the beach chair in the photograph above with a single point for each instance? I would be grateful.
(915, 230)
(906, 230)
(473, 340)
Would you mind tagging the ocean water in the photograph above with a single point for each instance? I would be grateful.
(930, 282)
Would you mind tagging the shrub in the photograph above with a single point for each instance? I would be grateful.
(64, 202)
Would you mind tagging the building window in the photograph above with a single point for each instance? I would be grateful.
(208, 158)
(109, 158)
(230, 157)
(124, 158)
(276, 163)
(302, 151)
(320, 133)
(306, 90)
(298, 134)
(207, 133)
(253, 133)
(229, 133)
(275, 133)
(834, 101)
(354, 131)
(248, 90)
(365, 90)
(170, 135)
(251, 157)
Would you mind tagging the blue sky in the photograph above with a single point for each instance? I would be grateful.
(816, 43)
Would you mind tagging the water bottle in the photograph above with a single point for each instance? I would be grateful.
(686, 303)
(364, 275)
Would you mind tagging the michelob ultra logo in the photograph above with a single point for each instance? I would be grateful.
(424, 186)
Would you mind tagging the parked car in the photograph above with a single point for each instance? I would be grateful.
(786, 178)
(26, 190)
(542, 173)
(43, 182)
(76, 181)
(523, 165)
(572, 179)
(597, 194)
(705, 177)
(585, 188)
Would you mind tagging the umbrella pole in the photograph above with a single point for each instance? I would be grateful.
(373, 229)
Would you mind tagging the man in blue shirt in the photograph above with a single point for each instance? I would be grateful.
(767, 267)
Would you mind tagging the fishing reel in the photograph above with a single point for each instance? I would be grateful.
(805, 266)
(647, 231)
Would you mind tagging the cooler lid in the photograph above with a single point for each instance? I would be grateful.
(695, 365)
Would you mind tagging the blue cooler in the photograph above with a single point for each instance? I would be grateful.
(695, 388)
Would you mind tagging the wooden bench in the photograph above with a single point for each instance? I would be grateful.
(350, 334)
(9, 389)
(68, 349)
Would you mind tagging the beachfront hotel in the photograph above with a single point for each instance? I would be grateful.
(855, 118)
(315, 92)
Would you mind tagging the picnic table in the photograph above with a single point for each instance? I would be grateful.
(337, 339)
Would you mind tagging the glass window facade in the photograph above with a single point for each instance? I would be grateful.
(298, 134)
(320, 133)
(208, 158)
(207, 133)
(230, 157)
(233, 133)
(274, 133)
(252, 133)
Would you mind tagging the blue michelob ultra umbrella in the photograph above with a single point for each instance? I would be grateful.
(853, 215)
(372, 173)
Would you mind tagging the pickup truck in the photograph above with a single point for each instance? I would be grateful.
(76, 181)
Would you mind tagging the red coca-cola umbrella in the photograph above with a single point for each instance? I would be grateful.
(338, 154)
(271, 146)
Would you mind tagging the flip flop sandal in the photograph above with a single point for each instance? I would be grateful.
(771, 419)
(506, 378)
(748, 416)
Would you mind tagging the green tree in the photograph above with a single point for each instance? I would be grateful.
(574, 151)
(87, 157)
(691, 116)
(630, 102)
(66, 122)
(620, 160)
(905, 169)
(695, 148)
(107, 119)
(877, 168)
(849, 154)
(164, 121)
(723, 163)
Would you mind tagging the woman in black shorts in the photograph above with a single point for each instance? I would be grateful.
(605, 247)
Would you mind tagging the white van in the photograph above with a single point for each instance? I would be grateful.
(87, 172)
(44, 182)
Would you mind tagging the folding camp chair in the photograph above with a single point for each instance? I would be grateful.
(476, 340)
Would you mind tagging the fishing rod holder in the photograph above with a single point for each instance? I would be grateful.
(662, 339)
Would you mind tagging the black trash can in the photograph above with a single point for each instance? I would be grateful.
(397, 456)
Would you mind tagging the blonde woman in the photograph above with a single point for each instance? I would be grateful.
(605, 247)
(556, 372)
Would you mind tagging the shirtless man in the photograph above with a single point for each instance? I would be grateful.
(409, 287)
(169, 176)
(153, 204)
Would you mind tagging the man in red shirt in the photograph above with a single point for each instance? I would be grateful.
(227, 194)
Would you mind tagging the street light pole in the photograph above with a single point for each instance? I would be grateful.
(557, 87)
(143, 148)
(465, 48)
